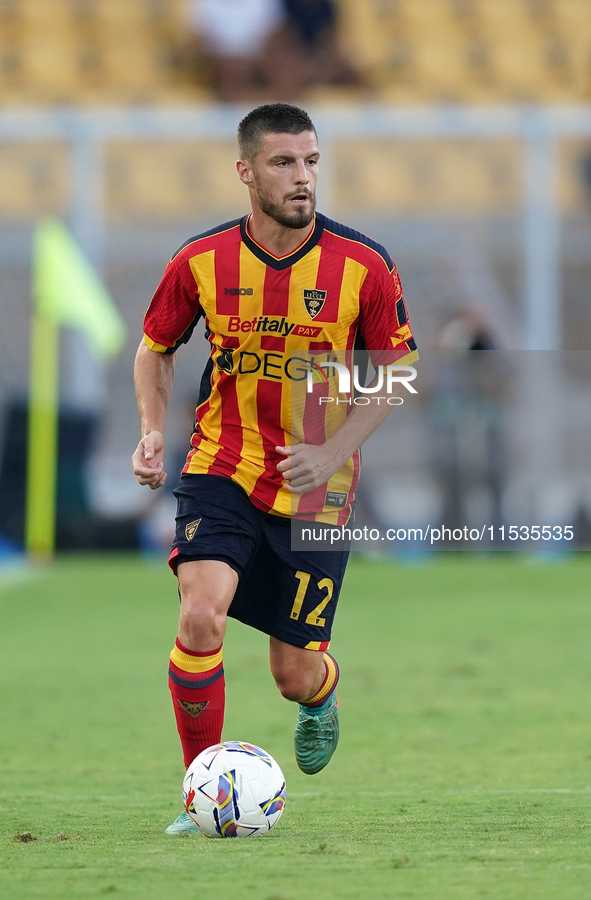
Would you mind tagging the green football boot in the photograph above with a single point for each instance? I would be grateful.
(183, 825)
(316, 735)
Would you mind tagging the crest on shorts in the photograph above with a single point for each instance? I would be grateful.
(314, 301)
(193, 708)
(191, 528)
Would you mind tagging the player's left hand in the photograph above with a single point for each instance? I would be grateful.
(307, 467)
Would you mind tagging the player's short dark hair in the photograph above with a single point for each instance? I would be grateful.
(271, 118)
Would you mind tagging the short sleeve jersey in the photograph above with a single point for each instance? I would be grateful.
(270, 322)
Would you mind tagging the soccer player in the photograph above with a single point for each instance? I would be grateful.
(280, 290)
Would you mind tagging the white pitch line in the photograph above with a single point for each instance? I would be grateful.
(448, 793)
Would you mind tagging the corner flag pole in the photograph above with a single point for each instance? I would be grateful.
(42, 436)
(66, 291)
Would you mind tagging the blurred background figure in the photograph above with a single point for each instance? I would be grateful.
(306, 53)
(466, 395)
(231, 37)
(274, 49)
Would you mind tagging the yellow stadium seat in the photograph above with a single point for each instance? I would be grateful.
(170, 180)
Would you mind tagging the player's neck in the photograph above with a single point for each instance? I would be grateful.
(276, 239)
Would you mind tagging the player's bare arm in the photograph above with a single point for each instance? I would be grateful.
(153, 377)
(307, 466)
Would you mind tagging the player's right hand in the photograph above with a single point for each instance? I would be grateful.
(147, 463)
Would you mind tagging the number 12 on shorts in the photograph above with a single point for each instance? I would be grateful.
(314, 617)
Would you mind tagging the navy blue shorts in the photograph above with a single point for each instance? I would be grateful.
(291, 595)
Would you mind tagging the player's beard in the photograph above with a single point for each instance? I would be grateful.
(296, 218)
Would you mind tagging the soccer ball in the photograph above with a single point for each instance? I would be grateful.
(234, 790)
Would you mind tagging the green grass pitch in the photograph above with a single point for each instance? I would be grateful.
(464, 768)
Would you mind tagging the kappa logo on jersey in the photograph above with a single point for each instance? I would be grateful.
(314, 301)
(194, 709)
(264, 324)
(191, 528)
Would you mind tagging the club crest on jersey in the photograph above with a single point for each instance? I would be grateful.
(191, 528)
(314, 301)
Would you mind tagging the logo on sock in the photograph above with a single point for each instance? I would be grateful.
(194, 709)
(191, 528)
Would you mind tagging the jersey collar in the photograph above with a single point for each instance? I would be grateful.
(283, 262)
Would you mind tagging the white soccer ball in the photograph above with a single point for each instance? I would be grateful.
(234, 789)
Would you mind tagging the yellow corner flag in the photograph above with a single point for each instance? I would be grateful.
(66, 291)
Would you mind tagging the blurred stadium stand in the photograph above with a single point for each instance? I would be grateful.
(450, 208)
(135, 51)
(91, 51)
(472, 50)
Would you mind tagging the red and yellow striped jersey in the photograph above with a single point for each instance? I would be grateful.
(268, 319)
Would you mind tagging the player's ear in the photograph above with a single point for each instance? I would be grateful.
(244, 171)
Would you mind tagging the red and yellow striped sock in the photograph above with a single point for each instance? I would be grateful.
(197, 685)
(328, 685)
